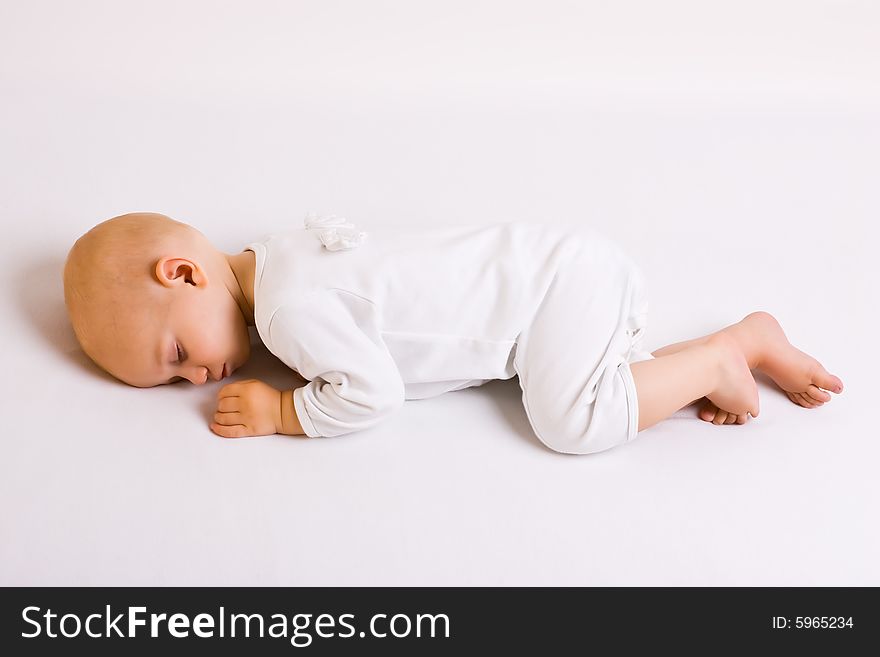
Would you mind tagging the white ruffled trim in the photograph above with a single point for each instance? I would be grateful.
(335, 233)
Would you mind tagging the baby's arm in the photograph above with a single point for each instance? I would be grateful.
(290, 425)
(333, 342)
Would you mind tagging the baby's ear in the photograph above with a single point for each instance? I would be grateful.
(173, 271)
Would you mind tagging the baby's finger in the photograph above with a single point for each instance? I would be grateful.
(720, 416)
(228, 404)
(741, 419)
(227, 391)
(234, 431)
(228, 419)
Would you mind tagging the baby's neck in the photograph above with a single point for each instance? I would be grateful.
(243, 266)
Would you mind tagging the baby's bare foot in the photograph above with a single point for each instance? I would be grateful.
(736, 392)
(711, 413)
(800, 376)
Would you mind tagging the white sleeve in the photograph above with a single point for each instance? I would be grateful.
(333, 339)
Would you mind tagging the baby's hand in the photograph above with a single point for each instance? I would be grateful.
(247, 408)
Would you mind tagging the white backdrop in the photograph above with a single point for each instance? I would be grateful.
(733, 148)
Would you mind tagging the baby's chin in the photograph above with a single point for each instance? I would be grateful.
(240, 358)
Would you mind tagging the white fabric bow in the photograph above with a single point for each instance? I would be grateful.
(335, 233)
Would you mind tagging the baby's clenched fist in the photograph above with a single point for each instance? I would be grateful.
(247, 408)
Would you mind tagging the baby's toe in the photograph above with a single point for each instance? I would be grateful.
(707, 411)
(806, 401)
(816, 394)
(822, 379)
(796, 398)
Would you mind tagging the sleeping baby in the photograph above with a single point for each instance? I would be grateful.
(370, 318)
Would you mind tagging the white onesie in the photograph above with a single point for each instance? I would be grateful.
(372, 318)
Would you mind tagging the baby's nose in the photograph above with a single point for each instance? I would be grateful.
(199, 378)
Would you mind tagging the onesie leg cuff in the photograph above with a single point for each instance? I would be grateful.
(632, 400)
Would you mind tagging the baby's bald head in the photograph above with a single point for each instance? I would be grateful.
(110, 283)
